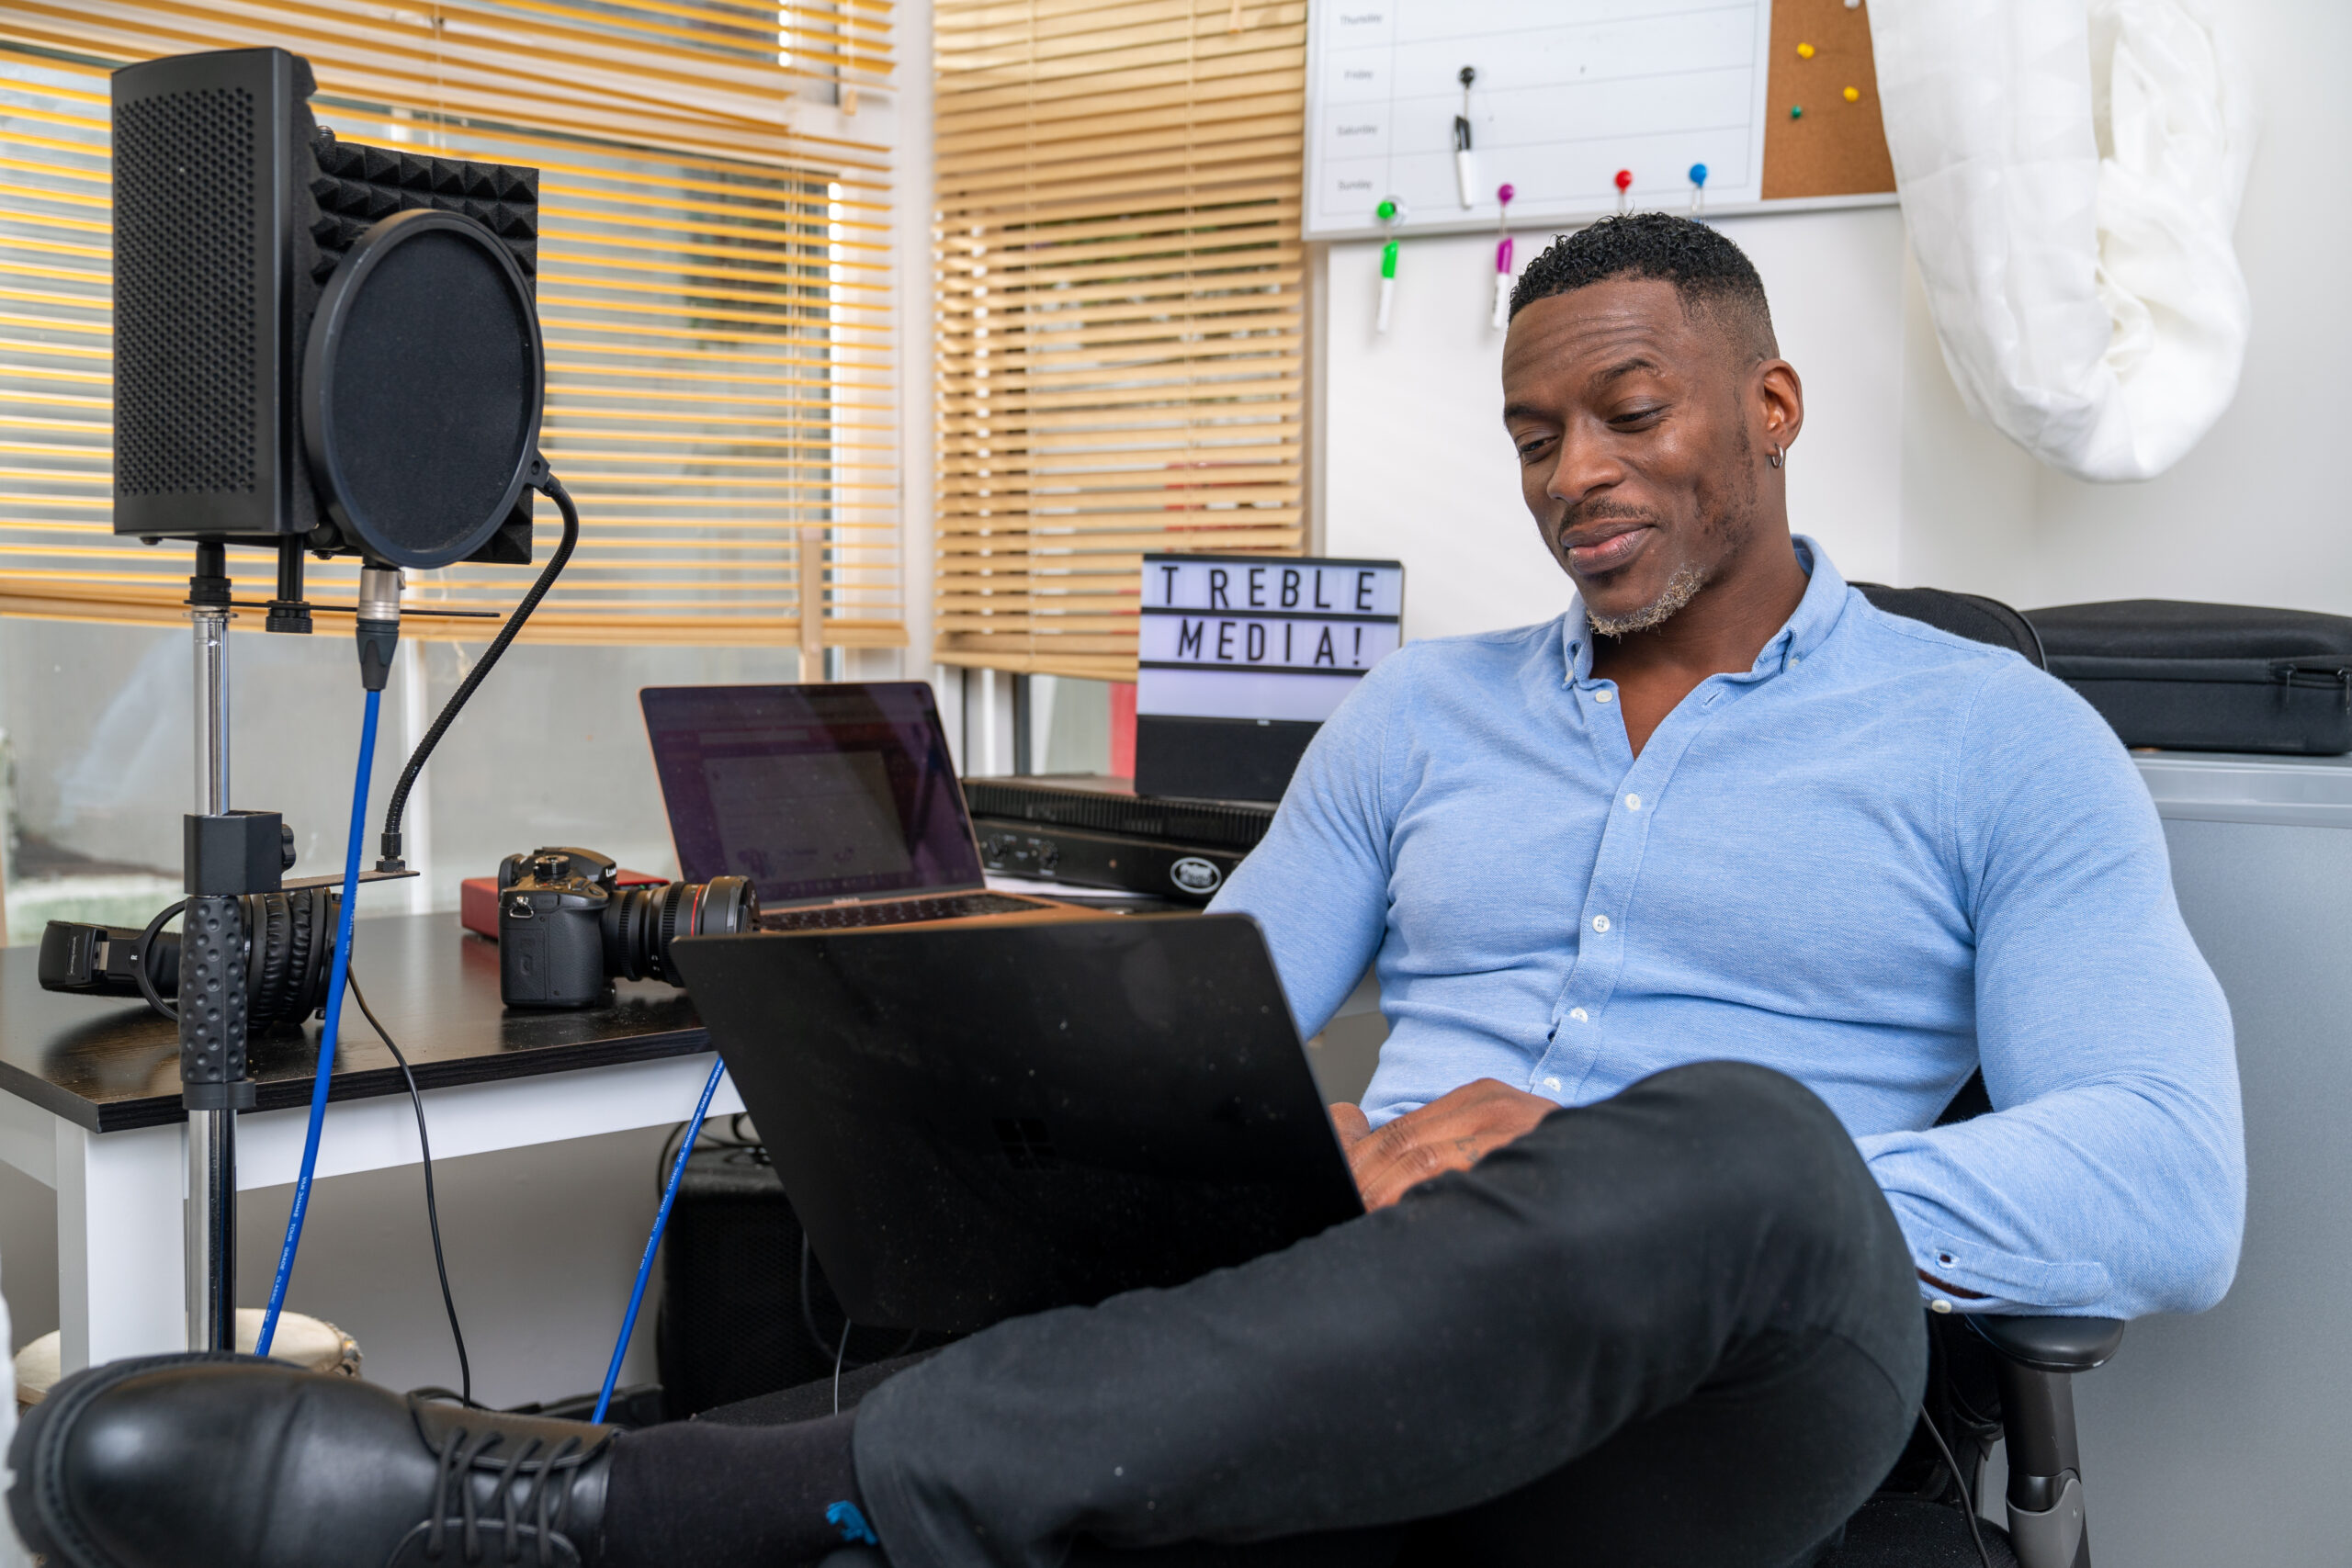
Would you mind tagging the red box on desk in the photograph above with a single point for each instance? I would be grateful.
(478, 899)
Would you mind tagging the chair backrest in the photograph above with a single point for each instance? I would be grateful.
(1970, 616)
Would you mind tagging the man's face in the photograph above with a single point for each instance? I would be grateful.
(1632, 420)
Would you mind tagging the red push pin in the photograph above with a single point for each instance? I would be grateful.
(1624, 185)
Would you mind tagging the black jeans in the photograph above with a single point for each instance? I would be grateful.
(1677, 1327)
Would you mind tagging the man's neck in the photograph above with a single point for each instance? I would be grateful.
(1723, 628)
(1720, 631)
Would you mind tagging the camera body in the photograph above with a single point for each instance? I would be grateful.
(565, 929)
(551, 907)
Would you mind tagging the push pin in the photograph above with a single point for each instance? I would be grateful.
(1853, 95)
(1502, 258)
(1698, 189)
(1391, 213)
(1796, 111)
(1805, 51)
(1624, 183)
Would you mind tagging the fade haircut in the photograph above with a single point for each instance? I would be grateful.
(1714, 276)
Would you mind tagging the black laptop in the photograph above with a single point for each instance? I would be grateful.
(984, 1120)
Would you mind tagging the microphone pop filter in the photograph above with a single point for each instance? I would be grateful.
(423, 384)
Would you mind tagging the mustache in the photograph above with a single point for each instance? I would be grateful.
(1602, 509)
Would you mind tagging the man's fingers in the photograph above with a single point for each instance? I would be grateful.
(1452, 1132)
(1348, 1120)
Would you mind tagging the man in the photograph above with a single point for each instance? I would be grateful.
(1746, 876)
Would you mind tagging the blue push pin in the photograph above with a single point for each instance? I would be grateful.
(1698, 188)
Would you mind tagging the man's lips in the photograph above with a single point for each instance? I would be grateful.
(1604, 547)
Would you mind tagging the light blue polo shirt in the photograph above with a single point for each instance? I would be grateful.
(1878, 858)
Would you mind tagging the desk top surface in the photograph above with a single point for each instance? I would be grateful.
(110, 1065)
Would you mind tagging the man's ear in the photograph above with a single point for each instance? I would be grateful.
(1779, 402)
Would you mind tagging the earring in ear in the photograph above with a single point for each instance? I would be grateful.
(1777, 457)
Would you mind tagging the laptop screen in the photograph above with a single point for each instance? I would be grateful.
(812, 791)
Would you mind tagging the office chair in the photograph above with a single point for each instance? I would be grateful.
(2032, 1360)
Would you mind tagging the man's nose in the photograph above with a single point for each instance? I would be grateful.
(1585, 465)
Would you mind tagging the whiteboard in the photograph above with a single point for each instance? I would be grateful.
(1568, 93)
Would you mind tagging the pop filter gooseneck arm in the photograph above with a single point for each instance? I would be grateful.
(553, 486)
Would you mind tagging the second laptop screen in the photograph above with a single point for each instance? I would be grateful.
(811, 792)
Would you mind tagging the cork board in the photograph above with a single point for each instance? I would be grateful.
(1835, 147)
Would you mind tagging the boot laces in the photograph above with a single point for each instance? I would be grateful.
(546, 1502)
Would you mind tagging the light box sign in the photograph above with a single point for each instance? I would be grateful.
(1240, 658)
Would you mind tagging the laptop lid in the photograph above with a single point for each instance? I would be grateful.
(819, 793)
(978, 1121)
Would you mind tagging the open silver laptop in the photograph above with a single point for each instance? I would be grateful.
(840, 802)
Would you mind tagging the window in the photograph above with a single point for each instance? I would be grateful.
(1119, 354)
(715, 287)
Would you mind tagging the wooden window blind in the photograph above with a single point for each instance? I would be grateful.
(715, 290)
(1119, 346)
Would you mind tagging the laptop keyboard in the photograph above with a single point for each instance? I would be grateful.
(897, 912)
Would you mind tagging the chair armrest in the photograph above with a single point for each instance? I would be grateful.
(2051, 1344)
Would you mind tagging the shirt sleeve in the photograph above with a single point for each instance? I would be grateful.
(1317, 884)
(2110, 1179)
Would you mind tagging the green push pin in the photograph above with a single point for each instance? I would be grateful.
(1796, 111)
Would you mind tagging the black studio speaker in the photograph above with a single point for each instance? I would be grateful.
(739, 1316)
(315, 338)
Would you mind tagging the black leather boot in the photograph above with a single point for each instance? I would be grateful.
(213, 1460)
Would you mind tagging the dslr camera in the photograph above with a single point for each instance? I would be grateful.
(566, 931)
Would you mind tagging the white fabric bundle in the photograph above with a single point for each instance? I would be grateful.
(2070, 175)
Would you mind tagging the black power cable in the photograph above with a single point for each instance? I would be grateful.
(432, 1209)
(390, 858)
(1967, 1502)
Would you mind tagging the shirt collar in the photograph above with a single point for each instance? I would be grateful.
(1817, 612)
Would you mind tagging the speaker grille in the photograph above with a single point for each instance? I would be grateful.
(186, 282)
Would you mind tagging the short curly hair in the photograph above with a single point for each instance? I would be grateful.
(1712, 276)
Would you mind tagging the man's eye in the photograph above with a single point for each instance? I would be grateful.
(1529, 447)
(1634, 419)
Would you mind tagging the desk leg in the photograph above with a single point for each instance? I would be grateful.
(120, 1202)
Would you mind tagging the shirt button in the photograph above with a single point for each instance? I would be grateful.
(1796, 659)
(1601, 696)
(1632, 803)
(1553, 1084)
(1600, 922)
(1940, 1305)
(1578, 1014)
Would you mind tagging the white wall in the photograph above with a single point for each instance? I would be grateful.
(1891, 474)
(1416, 466)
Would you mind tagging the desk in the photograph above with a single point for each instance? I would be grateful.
(89, 1104)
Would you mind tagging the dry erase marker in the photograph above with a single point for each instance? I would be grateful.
(1391, 212)
(1502, 258)
(1466, 167)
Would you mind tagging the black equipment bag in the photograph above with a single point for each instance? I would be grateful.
(2208, 677)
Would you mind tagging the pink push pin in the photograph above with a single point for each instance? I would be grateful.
(1502, 258)
(1625, 187)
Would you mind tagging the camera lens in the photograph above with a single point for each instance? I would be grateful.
(641, 923)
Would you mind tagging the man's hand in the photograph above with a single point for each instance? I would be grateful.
(1450, 1133)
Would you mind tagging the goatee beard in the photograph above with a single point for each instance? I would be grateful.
(1680, 590)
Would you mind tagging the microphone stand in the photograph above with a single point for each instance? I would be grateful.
(226, 854)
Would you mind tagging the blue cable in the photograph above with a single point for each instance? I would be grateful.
(653, 1242)
(335, 986)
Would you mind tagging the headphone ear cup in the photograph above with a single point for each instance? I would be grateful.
(316, 967)
(303, 926)
(266, 914)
